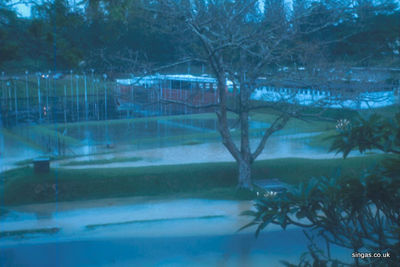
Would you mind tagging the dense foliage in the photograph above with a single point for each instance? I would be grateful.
(95, 34)
(375, 132)
(360, 213)
(105, 34)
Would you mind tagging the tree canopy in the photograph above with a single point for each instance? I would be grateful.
(101, 34)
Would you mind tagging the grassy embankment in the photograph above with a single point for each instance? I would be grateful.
(208, 180)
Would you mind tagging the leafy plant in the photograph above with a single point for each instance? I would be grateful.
(360, 213)
(363, 134)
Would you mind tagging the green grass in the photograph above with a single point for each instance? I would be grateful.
(192, 143)
(201, 116)
(22, 139)
(101, 161)
(384, 111)
(207, 180)
(47, 132)
(35, 134)
(295, 125)
(94, 226)
(322, 140)
(3, 211)
(22, 233)
(24, 162)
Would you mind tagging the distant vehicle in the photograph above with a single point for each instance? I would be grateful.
(45, 76)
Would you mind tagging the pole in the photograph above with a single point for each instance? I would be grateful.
(77, 96)
(27, 91)
(47, 97)
(105, 96)
(65, 104)
(86, 103)
(72, 95)
(16, 102)
(39, 102)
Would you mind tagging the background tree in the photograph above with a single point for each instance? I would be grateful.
(88, 30)
(372, 35)
(11, 34)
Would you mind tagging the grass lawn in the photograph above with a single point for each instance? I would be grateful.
(296, 125)
(384, 111)
(117, 122)
(206, 180)
(36, 133)
(21, 139)
(48, 132)
(322, 140)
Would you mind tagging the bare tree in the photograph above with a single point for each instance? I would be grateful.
(240, 43)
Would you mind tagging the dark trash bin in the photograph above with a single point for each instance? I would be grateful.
(41, 165)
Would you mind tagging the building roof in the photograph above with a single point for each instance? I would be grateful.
(151, 79)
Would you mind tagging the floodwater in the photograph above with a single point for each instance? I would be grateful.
(146, 232)
(156, 142)
(143, 231)
(277, 147)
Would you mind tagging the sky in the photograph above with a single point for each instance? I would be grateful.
(23, 10)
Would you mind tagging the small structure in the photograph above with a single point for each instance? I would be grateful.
(41, 165)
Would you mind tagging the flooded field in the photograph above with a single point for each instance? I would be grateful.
(144, 231)
(199, 133)
(139, 230)
(153, 139)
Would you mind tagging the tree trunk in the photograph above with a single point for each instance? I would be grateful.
(245, 175)
(244, 160)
